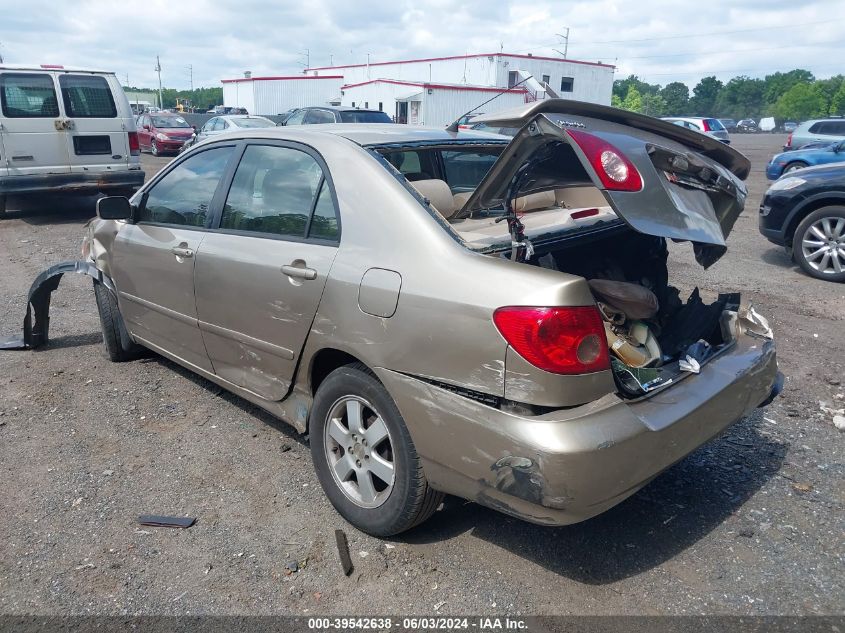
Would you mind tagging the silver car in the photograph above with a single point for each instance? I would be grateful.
(815, 131)
(449, 312)
(705, 125)
(228, 123)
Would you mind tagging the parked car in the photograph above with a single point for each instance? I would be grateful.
(805, 212)
(464, 123)
(789, 126)
(463, 362)
(704, 125)
(227, 123)
(336, 114)
(815, 131)
(787, 162)
(163, 133)
(728, 124)
(747, 126)
(67, 131)
(490, 129)
(227, 110)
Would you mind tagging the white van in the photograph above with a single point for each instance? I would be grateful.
(65, 131)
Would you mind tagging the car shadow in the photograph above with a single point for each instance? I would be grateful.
(672, 513)
(777, 256)
(52, 209)
(72, 340)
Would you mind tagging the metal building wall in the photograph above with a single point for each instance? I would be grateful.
(278, 96)
(591, 82)
(239, 94)
(444, 105)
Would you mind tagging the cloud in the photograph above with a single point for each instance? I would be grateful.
(659, 40)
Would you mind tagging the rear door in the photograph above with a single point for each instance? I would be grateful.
(259, 276)
(97, 128)
(33, 144)
(152, 260)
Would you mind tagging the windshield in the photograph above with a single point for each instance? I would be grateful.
(364, 116)
(169, 122)
(255, 121)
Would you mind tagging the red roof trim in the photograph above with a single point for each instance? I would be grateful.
(440, 59)
(227, 81)
(436, 86)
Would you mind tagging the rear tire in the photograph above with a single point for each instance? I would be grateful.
(2, 205)
(819, 244)
(119, 346)
(351, 406)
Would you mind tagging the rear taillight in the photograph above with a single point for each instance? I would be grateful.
(558, 340)
(789, 140)
(614, 169)
(706, 124)
(134, 146)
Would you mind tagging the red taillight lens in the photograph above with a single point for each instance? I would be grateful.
(614, 169)
(789, 140)
(558, 340)
(134, 146)
(706, 125)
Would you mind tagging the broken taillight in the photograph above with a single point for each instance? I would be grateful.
(789, 140)
(613, 168)
(134, 145)
(561, 340)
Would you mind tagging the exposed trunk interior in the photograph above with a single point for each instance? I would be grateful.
(654, 334)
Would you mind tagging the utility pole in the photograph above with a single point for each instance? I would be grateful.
(158, 70)
(191, 74)
(565, 39)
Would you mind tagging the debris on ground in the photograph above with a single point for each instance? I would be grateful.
(839, 422)
(169, 522)
(285, 448)
(343, 551)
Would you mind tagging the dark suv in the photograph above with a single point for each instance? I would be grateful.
(334, 114)
(805, 211)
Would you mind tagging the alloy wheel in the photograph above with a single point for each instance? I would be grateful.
(359, 451)
(823, 245)
(153, 148)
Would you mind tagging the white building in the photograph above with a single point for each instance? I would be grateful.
(275, 95)
(432, 91)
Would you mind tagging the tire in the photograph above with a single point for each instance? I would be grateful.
(2, 205)
(819, 244)
(153, 147)
(396, 506)
(119, 346)
(794, 165)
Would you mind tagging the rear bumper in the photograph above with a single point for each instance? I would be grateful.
(72, 182)
(572, 464)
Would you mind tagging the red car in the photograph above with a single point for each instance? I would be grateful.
(161, 133)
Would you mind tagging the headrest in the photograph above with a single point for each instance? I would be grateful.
(438, 193)
(534, 201)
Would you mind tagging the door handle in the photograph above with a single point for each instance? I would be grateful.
(299, 272)
(181, 251)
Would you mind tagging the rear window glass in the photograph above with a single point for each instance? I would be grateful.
(87, 96)
(353, 116)
(28, 96)
(464, 170)
(254, 122)
(715, 124)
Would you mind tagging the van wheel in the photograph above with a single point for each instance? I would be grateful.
(119, 347)
(819, 244)
(793, 166)
(364, 456)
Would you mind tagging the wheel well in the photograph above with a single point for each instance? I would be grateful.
(789, 234)
(325, 362)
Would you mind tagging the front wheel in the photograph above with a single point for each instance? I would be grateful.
(119, 346)
(364, 456)
(794, 166)
(819, 244)
(154, 148)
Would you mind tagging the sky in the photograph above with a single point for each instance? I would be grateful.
(657, 40)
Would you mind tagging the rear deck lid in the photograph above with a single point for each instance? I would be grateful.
(690, 185)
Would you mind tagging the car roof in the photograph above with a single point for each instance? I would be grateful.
(338, 108)
(47, 68)
(369, 134)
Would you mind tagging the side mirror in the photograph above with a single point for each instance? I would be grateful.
(114, 208)
(146, 127)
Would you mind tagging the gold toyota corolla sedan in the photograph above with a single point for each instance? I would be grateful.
(449, 312)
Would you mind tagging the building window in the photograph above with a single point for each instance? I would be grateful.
(513, 78)
(380, 106)
(566, 84)
(353, 104)
(366, 104)
(547, 79)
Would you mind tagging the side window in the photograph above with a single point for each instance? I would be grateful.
(87, 96)
(222, 124)
(28, 96)
(296, 118)
(184, 194)
(815, 128)
(837, 128)
(324, 221)
(319, 116)
(410, 165)
(209, 125)
(273, 191)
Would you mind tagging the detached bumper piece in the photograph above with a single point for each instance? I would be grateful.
(36, 323)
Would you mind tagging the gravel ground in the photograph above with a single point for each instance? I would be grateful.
(750, 524)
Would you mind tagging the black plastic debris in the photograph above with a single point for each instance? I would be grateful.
(343, 551)
(168, 522)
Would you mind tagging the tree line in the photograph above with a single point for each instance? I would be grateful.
(201, 98)
(795, 95)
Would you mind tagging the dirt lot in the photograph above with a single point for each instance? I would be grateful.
(749, 524)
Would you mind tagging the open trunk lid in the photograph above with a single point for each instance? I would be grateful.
(691, 185)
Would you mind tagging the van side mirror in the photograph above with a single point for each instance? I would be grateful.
(114, 208)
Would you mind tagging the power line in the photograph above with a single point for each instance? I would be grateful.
(705, 73)
(737, 50)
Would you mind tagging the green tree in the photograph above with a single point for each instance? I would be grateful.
(705, 94)
(779, 83)
(837, 103)
(621, 86)
(653, 105)
(800, 102)
(741, 97)
(827, 89)
(676, 98)
(633, 100)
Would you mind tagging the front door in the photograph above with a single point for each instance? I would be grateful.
(32, 141)
(260, 276)
(153, 259)
(96, 135)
